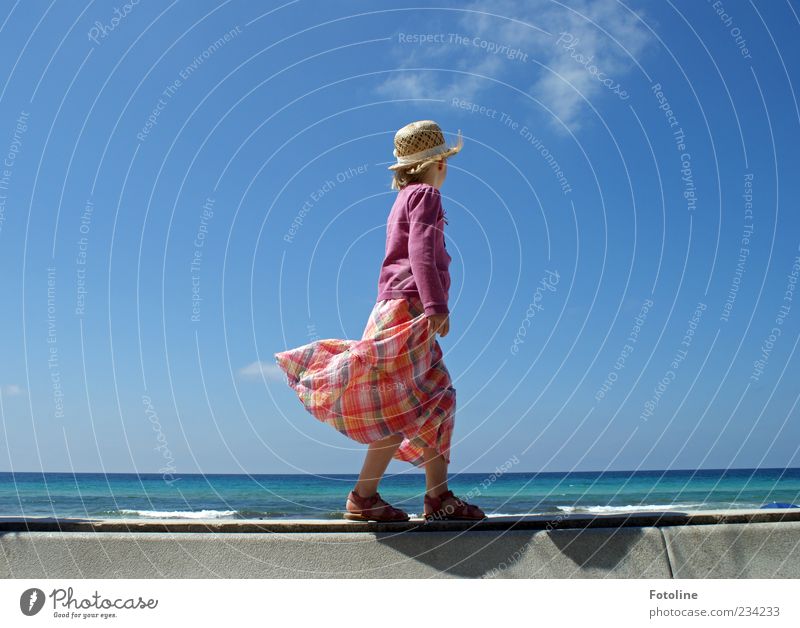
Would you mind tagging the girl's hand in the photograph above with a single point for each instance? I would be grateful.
(439, 323)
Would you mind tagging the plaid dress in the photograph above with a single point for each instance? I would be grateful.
(391, 381)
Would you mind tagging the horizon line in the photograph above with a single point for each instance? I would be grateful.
(422, 473)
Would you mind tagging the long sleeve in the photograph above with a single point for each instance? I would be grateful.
(424, 207)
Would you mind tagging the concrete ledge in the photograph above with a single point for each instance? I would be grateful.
(526, 522)
(559, 554)
(761, 544)
(756, 550)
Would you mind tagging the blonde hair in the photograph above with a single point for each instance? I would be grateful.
(413, 173)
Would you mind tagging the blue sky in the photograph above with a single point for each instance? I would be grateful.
(189, 187)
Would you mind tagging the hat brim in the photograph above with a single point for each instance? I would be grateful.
(447, 152)
(443, 155)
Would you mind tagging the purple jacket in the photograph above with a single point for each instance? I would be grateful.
(416, 261)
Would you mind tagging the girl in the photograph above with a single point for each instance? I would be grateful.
(391, 389)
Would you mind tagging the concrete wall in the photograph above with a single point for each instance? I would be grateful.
(722, 550)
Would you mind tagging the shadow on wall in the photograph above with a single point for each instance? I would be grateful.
(588, 552)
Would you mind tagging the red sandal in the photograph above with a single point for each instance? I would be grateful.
(373, 509)
(460, 510)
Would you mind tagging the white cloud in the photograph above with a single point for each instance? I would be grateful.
(257, 370)
(613, 52)
(11, 390)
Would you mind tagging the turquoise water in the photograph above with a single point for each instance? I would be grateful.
(321, 497)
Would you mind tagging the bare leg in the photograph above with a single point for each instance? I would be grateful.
(436, 485)
(435, 472)
(379, 455)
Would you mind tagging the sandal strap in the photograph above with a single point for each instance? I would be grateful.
(376, 502)
(364, 502)
(461, 507)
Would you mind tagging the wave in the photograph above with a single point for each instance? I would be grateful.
(631, 508)
(257, 514)
(179, 514)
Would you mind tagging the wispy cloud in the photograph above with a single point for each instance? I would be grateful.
(604, 32)
(11, 390)
(258, 370)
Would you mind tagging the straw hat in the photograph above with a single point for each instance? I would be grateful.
(420, 141)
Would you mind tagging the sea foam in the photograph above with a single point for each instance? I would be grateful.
(180, 514)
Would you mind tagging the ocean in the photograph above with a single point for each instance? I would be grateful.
(223, 496)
